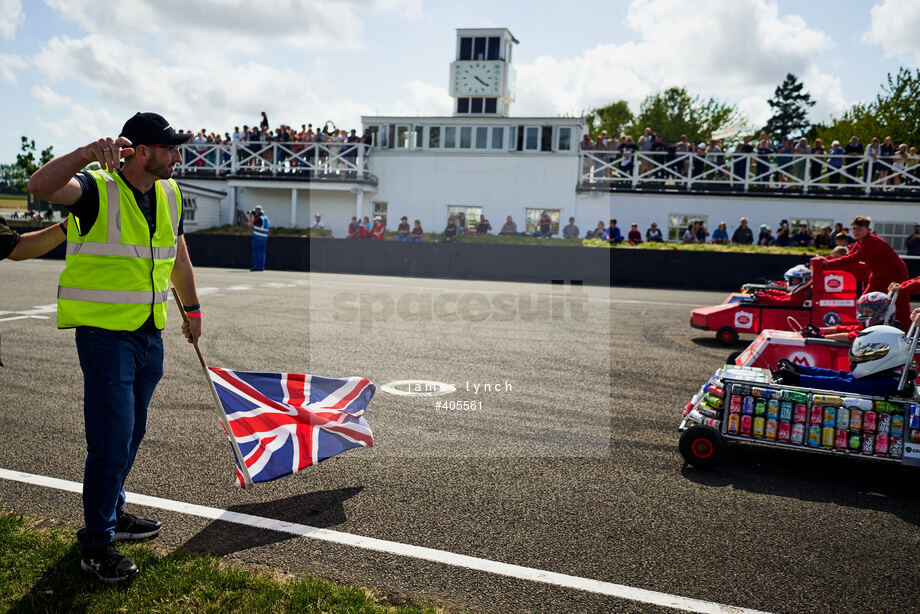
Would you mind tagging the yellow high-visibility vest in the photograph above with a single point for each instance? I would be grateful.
(117, 274)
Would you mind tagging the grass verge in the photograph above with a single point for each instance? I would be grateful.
(40, 572)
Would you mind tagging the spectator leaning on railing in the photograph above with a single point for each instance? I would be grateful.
(743, 234)
(612, 234)
(720, 235)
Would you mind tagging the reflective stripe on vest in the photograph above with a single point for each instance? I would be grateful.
(117, 274)
(261, 231)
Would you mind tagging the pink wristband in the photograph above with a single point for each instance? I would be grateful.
(194, 314)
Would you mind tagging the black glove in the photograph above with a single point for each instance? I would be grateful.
(811, 331)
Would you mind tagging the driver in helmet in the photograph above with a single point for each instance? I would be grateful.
(796, 292)
(871, 310)
(877, 356)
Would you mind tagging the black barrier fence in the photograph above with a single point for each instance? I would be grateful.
(675, 269)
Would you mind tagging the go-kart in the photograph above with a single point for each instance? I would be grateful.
(832, 302)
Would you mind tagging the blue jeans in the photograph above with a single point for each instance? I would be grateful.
(120, 371)
(258, 254)
(402, 237)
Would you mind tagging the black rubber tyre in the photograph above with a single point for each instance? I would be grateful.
(733, 357)
(727, 335)
(702, 446)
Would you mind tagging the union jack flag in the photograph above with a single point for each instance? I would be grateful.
(283, 422)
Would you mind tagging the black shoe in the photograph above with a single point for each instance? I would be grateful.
(130, 526)
(107, 564)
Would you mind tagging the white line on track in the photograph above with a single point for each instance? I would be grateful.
(620, 591)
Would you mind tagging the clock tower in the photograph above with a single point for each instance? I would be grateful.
(481, 78)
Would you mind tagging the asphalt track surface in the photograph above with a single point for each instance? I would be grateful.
(574, 470)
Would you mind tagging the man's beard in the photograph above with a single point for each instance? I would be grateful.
(160, 171)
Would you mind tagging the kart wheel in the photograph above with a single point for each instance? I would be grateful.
(702, 446)
(733, 357)
(727, 335)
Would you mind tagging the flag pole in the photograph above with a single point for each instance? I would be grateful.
(241, 463)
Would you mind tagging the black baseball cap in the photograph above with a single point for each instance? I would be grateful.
(152, 129)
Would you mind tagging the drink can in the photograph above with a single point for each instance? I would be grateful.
(856, 420)
(828, 399)
(760, 408)
(817, 415)
(884, 424)
(687, 408)
(734, 406)
(798, 433)
(843, 418)
(827, 438)
(716, 424)
(716, 391)
(868, 444)
(883, 407)
(915, 436)
(748, 406)
(814, 436)
(795, 396)
(854, 441)
(772, 409)
(800, 415)
(913, 416)
(784, 432)
(772, 427)
(746, 424)
(714, 402)
(869, 421)
(757, 392)
(734, 421)
(841, 437)
(707, 411)
(895, 447)
(881, 444)
(829, 419)
(759, 426)
(785, 411)
(742, 390)
(897, 425)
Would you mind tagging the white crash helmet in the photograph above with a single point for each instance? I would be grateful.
(872, 307)
(877, 349)
(800, 272)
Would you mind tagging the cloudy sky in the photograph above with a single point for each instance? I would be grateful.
(74, 70)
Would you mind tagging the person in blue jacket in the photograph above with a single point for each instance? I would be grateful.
(613, 234)
(260, 224)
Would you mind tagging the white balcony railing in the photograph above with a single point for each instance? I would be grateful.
(310, 161)
(801, 173)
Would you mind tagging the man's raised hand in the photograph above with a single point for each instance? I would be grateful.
(108, 151)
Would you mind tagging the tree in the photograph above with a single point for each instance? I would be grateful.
(613, 118)
(26, 164)
(674, 113)
(790, 106)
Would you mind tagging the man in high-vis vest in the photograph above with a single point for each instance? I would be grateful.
(124, 246)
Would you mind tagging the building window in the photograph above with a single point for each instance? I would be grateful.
(546, 142)
(678, 223)
(494, 46)
(434, 137)
(374, 133)
(479, 48)
(466, 48)
(402, 137)
(189, 207)
(482, 137)
(564, 142)
(498, 137)
(473, 214)
(450, 137)
(463, 105)
(476, 105)
(466, 137)
(531, 138)
(417, 137)
(380, 208)
(491, 105)
(895, 233)
(532, 219)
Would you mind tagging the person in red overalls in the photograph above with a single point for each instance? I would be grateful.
(884, 265)
(792, 293)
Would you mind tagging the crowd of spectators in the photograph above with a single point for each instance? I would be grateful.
(778, 164)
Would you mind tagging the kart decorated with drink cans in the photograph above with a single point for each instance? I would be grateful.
(744, 403)
(829, 299)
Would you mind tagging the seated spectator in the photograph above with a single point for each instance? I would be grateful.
(367, 224)
(766, 235)
(461, 223)
(613, 233)
(720, 235)
(634, 237)
(690, 233)
(378, 229)
(509, 227)
(451, 230)
(483, 227)
(417, 232)
(912, 243)
(545, 226)
(353, 228)
(402, 232)
(318, 222)
(743, 234)
(823, 239)
(571, 231)
(701, 232)
(653, 234)
(803, 237)
(783, 237)
(598, 233)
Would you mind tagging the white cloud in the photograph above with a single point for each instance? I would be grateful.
(894, 26)
(47, 97)
(423, 99)
(9, 64)
(736, 51)
(11, 17)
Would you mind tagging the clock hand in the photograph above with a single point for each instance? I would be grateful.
(481, 81)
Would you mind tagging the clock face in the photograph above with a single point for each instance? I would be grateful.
(477, 78)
